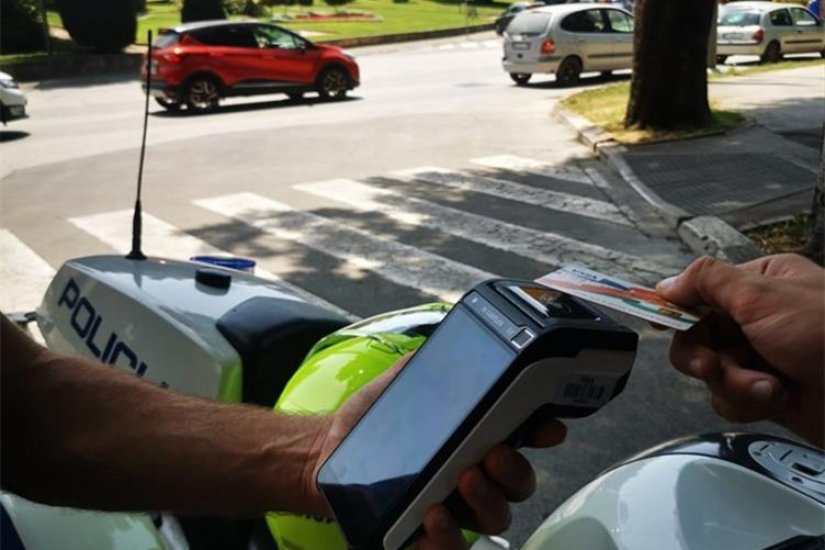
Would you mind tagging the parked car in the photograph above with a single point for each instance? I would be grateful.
(769, 30)
(514, 9)
(12, 100)
(567, 40)
(197, 64)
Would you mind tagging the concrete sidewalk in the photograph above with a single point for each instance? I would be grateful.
(708, 187)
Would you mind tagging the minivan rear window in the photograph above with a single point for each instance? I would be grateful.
(166, 39)
(739, 19)
(529, 24)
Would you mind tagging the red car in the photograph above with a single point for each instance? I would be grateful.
(197, 64)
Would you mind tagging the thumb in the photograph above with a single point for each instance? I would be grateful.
(708, 281)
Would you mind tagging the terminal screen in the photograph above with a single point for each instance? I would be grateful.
(402, 433)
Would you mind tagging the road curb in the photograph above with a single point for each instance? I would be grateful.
(67, 66)
(702, 234)
(406, 37)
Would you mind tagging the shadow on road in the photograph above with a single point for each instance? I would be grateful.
(88, 81)
(587, 81)
(12, 135)
(256, 106)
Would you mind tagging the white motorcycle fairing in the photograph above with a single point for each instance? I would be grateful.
(714, 492)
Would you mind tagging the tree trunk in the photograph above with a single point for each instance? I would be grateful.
(815, 247)
(669, 87)
(201, 10)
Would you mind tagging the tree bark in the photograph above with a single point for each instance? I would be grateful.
(201, 10)
(815, 247)
(669, 87)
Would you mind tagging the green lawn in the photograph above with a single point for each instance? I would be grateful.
(411, 16)
(606, 107)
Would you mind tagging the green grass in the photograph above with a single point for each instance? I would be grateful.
(606, 107)
(785, 236)
(411, 16)
(59, 47)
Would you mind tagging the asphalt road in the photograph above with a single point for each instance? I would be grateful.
(436, 173)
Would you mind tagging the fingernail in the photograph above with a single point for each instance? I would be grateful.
(695, 367)
(762, 390)
(666, 284)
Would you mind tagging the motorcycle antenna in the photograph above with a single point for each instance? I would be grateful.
(137, 218)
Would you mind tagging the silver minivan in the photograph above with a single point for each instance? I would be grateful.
(768, 30)
(567, 40)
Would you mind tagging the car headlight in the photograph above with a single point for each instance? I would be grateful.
(8, 83)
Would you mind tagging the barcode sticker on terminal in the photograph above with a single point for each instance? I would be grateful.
(585, 390)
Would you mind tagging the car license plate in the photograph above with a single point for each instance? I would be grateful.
(17, 110)
(731, 36)
(521, 45)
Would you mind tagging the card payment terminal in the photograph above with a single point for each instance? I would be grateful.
(508, 352)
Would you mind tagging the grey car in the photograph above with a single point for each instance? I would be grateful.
(567, 40)
(768, 30)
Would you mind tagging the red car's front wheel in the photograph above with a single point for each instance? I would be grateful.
(333, 83)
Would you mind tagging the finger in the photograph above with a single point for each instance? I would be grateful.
(440, 531)
(486, 502)
(750, 389)
(511, 472)
(711, 282)
(690, 355)
(547, 433)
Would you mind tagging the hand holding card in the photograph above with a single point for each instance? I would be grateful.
(621, 295)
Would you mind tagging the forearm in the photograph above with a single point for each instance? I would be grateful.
(81, 434)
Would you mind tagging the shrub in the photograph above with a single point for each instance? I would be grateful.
(249, 8)
(106, 26)
(201, 10)
(21, 27)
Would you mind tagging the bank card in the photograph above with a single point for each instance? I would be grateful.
(621, 295)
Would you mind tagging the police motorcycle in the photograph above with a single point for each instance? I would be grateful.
(225, 334)
(209, 327)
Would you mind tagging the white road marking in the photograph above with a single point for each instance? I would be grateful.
(513, 162)
(554, 200)
(165, 240)
(544, 247)
(25, 276)
(396, 262)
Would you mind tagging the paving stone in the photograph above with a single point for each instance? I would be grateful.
(714, 184)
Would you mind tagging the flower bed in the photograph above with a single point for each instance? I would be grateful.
(328, 17)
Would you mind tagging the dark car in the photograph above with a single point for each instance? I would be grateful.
(197, 64)
(514, 9)
(504, 19)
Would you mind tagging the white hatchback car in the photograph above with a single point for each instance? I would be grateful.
(12, 100)
(769, 30)
(567, 40)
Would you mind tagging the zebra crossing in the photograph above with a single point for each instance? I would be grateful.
(413, 235)
(469, 44)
